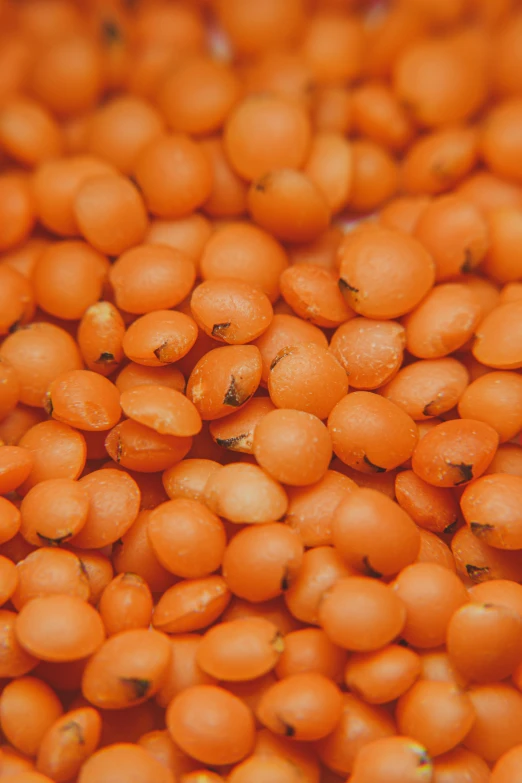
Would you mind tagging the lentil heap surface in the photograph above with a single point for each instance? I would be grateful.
(260, 391)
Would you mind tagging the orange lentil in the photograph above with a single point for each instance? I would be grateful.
(506, 460)
(431, 507)
(273, 551)
(454, 233)
(475, 560)
(438, 161)
(308, 378)
(494, 399)
(313, 294)
(375, 176)
(484, 640)
(15, 466)
(53, 511)
(151, 277)
(120, 129)
(284, 434)
(10, 520)
(366, 257)
(189, 478)
(16, 300)
(266, 132)
(455, 452)
(38, 353)
(224, 379)
(84, 399)
(57, 451)
(28, 132)
(211, 724)
(287, 203)
(443, 322)
(461, 762)
(431, 595)
(174, 175)
(50, 571)
(245, 493)
(230, 310)
(370, 433)
(222, 651)
(436, 714)
(126, 669)
(59, 628)
(490, 508)
(68, 742)
(333, 47)
(111, 214)
(126, 759)
(191, 604)
(382, 676)
(188, 539)
(438, 83)
(100, 336)
(245, 252)
(196, 97)
(28, 707)
(165, 410)
(68, 277)
(378, 116)
(306, 706)
(497, 342)
(251, 691)
(370, 351)
(14, 762)
(74, 63)
(361, 614)
(429, 387)
(125, 604)
(159, 338)
(373, 534)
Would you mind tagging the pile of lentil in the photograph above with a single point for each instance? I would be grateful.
(260, 391)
